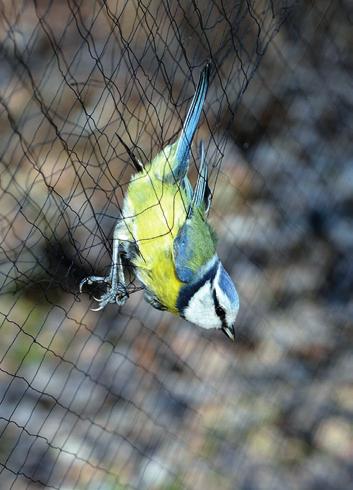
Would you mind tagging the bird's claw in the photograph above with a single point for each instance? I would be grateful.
(91, 280)
(115, 294)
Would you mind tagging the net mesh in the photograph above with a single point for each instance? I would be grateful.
(133, 397)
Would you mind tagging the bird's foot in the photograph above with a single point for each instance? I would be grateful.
(114, 294)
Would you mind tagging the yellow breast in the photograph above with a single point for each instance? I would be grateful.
(158, 211)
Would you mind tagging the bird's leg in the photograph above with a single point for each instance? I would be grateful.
(117, 278)
(116, 290)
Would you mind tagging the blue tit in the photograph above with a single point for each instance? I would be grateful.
(164, 234)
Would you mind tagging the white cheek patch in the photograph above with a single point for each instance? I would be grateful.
(200, 309)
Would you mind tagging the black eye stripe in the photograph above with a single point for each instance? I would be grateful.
(219, 310)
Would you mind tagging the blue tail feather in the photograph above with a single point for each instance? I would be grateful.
(189, 128)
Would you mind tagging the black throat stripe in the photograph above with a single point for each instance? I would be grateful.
(188, 291)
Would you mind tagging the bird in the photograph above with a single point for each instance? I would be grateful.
(165, 236)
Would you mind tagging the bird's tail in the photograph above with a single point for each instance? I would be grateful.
(192, 119)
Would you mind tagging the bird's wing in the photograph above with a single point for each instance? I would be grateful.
(193, 247)
(202, 193)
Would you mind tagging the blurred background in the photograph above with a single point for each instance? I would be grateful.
(132, 397)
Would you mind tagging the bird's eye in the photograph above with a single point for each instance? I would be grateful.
(220, 311)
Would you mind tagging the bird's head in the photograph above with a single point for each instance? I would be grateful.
(212, 300)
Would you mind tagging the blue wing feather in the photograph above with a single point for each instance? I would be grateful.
(193, 247)
(202, 193)
(183, 254)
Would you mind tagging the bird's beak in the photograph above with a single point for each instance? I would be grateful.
(229, 331)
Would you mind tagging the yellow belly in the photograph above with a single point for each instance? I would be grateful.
(158, 211)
